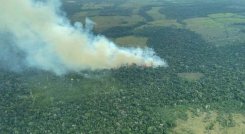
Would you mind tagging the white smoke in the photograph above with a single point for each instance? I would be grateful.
(51, 43)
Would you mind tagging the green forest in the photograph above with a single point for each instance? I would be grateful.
(204, 80)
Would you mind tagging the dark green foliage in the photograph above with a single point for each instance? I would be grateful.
(181, 48)
(100, 113)
(187, 52)
(147, 100)
(14, 103)
(239, 24)
(242, 31)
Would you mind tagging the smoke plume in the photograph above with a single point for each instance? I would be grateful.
(36, 34)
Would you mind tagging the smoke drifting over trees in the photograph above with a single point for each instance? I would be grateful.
(34, 34)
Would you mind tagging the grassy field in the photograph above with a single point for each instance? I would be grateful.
(155, 14)
(106, 22)
(191, 76)
(211, 123)
(132, 41)
(219, 29)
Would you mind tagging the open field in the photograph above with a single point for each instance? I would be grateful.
(106, 22)
(218, 29)
(155, 14)
(211, 123)
(132, 41)
(191, 76)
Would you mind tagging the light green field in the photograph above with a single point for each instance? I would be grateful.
(160, 19)
(208, 123)
(160, 23)
(191, 76)
(92, 6)
(155, 14)
(218, 29)
(132, 41)
(71, 1)
(106, 22)
(165, 23)
(138, 3)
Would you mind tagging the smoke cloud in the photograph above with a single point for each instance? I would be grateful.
(36, 34)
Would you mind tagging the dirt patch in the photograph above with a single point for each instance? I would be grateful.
(191, 76)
